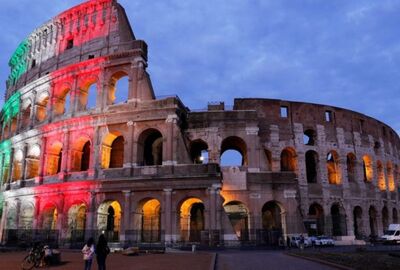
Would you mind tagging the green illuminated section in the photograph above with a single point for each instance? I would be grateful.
(18, 63)
(11, 107)
(5, 154)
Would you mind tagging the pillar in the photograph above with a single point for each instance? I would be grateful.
(167, 220)
(43, 161)
(169, 152)
(126, 218)
(253, 158)
(89, 226)
(10, 175)
(128, 146)
(65, 156)
(24, 155)
(3, 222)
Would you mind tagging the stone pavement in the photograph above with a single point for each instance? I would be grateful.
(72, 260)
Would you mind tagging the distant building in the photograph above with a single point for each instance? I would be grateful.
(81, 154)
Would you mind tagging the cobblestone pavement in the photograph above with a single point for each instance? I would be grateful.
(261, 260)
(72, 260)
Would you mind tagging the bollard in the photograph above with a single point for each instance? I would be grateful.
(193, 248)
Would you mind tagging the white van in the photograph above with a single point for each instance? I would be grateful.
(392, 235)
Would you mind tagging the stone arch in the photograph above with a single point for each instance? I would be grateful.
(333, 168)
(88, 92)
(237, 144)
(150, 147)
(77, 222)
(26, 114)
(13, 124)
(26, 216)
(317, 220)
(32, 161)
(62, 99)
(239, 216)
(373, 221)
(351, 165)
(112, 150)
(11, 223)
(192, 220)
(117, 95)
(358, 225)
(390, 176)
(268, 156)
(367, 168)
(381, 175)
(49, 216)
(288, 160)
(54, 158)
(199, 152)
(312, 166)
(148, 220)
(17, 165)
(273, 222)
(109, 219)
(338, 216)
(41, 106)
(309, 137)
(80, 154)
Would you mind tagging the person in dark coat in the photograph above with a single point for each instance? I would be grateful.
(102, 250)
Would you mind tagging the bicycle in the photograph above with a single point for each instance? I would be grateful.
(34, 258)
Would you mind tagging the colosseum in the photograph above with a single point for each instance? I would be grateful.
(87, 148)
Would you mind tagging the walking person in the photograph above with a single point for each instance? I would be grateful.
(88, 253)
(102, 250)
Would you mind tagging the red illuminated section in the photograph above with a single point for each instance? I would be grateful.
(85, 22)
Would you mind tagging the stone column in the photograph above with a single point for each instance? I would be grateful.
(95, 164)
(167, 220)
(18, 213)
(253, 149)
(89, 230)
(36, 213)
(61, 219)
(33, 111)
(39, 180)
(126, 217)
(65, 156)
(129, 143)
(3, 222)
(24, 156)
(74, 94)
(11, 170)
(169, 150)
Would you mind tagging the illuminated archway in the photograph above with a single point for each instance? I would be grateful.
(112, 151)
(150, 226)
(150, 147)
(333, 168)
(316, 217)
(81, 154)
(272, 222)
(367, 168)
(41, 107)
(118, 88)
(381, 176)
(17, 165)
(76, 222)
(199, 152)
(191, 219)
(238, 215)
(390, 176)
(32, 161)
(288, 160)
(49, 218)
(109, 219)
(54, 157)
(26, 216)
(338, 220)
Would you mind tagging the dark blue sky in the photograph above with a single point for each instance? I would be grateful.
(342, 53)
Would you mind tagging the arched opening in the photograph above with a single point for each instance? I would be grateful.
(150, 221)
(13, 124)
(271, 214)
(88, 94)
(394, 216)
(390, 176)
(81, 155)
(17, 165)
(76, 223)
(26, 116)
(233, 152)
(311, 166)
(11, 218)
(238, 215)
(26, 217)
(288, 160)
(199, 152)
(385, 218)
(309, 137)
(109, 220)
(112, 151)
(49, 216)
(351, 163)
(381, 176)
(367, 168)
(150, 148)
(373, 222)
(41, 107)
(91, 96)
(63, 101)
(358, 223)
(338, 220)
(332, 164)
(192, 219)
(54, 157)
(316, 217)
(119, 88)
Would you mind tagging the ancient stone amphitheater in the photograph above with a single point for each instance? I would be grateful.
(83, 153)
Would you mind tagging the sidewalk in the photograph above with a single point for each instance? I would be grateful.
(72, 260)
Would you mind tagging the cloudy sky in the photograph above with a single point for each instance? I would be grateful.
(339, 52)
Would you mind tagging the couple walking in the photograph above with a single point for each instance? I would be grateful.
(101, 250)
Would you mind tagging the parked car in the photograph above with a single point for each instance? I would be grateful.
(295, 241)
(324, 241)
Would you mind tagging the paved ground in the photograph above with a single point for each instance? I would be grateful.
(73, 261)
(260, 260)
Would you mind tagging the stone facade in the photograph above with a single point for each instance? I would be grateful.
(79, 158)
